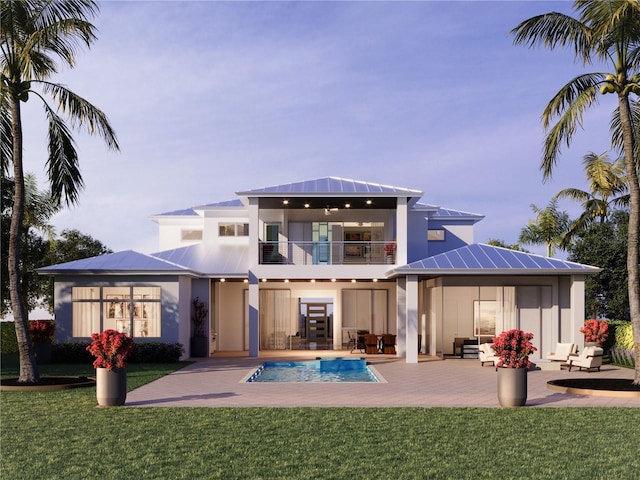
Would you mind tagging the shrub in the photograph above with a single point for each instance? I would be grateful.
(142, 352)
(613, 328)
(595, 331)
(111, 349)
(8, 340)
(155, 352)
(624, 337)
(514, 347)
(42, 331)
(71, 352)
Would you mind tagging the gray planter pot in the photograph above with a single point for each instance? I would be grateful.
(199, 346)
(512, 387)
(111, 387)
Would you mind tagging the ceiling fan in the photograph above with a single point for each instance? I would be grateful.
(328, 210)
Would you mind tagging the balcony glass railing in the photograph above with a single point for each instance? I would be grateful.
(327, 253)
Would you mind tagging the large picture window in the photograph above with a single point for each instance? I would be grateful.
(131, 310)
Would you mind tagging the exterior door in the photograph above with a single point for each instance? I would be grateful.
(317, 322)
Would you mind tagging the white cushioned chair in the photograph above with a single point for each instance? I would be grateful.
(487, 354)
(590, 357)
(562, 352)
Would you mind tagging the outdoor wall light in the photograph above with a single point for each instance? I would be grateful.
(369, 202)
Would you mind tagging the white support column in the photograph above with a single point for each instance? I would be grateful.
(411, 290)
(577, 310)
(401, 308)
(402, 237)
(254, 315)
(254, 232)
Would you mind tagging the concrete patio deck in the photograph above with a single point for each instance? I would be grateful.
(432, 382)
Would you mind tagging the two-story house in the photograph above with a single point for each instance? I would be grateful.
(305, 264)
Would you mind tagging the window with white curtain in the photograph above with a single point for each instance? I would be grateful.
(275, 318)
(135, 311)
(365, 309)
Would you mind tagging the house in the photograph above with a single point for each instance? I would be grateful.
(306, 264)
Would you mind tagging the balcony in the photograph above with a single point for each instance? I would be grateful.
(327, 253)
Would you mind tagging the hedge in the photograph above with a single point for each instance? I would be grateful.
(76, 352)
(8, 340)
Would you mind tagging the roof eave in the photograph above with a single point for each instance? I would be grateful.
(495, 271)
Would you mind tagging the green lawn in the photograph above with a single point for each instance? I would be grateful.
(62, 435)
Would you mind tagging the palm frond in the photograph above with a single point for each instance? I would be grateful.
(63, 168)
(569, 104)
(82, 113)
(573, 194)
(552, 30)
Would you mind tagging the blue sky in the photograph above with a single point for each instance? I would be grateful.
(209, 98)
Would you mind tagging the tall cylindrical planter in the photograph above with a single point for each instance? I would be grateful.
(111, 386)
(199, 346)
(512, 387)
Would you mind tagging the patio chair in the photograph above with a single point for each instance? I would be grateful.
(389, 343)
(562, 352)
(591, 357)
(486, 353)
(371, 343)
(358, 343)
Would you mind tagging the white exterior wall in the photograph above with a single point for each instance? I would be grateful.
(170, 231)
(175, 300)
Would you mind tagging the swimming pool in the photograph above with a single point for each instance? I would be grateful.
(319, 370)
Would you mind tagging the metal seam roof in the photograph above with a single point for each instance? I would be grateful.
(481, 258)
(331, 186)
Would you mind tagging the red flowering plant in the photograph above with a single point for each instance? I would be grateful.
(111, 349)
(42, 331)
(595, 331)
(513, 347)
(390, 248)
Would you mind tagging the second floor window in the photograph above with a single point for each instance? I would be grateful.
(233, 229)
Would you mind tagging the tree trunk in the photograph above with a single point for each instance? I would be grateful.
(634, 227)
(28, 367)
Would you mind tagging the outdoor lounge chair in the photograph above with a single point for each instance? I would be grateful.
(486, 353)
(591, 357)
(562, 352)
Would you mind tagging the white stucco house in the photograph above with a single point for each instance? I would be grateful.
(301, 265)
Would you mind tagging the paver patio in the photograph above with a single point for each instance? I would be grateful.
(216, 382)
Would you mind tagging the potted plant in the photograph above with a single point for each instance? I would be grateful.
(41, 332)
(513, 348)
(199, 340)
(595, 332)
(390, 251)
(111, 349)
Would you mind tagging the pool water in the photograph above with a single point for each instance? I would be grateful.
(320, 370)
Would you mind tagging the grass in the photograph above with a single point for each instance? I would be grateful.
(61, 435)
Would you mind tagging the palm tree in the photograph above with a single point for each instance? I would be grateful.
(607, 31)
(34, 34)
(608, 190)
(549, 228)
(39, 208)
